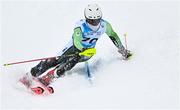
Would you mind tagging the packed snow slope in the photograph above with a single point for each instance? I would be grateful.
(41, 29)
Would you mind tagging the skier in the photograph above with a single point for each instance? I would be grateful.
(86, 33)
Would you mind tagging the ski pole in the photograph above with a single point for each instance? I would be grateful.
(26, 61)
(129, 53)
(39, 59)
(125, 35)
(89, 52)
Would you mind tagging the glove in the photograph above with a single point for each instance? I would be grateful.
(125, 53)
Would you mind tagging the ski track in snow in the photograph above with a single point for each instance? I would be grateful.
(148, 80)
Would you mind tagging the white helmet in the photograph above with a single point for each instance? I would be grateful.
(93, 14)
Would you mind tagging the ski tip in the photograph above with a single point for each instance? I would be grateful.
(38, 90)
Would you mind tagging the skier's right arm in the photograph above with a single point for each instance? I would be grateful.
(77, 38)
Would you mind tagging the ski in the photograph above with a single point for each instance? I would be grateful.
(35, 86)
(41, 88)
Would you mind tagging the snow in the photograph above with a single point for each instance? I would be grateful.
(149, 80)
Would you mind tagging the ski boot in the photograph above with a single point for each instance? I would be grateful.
(44, 82)
(48, 78)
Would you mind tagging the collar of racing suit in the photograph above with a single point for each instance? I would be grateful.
(94, 28)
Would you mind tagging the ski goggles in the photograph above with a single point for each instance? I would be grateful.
(93, 22)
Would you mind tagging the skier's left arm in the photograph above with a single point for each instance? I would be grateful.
(116, 40)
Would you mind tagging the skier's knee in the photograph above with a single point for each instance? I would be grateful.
(43, 66)
(34, 72)
(51, 62)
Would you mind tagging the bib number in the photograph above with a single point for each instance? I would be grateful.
(89, 40)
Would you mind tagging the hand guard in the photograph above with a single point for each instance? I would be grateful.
(125, 53)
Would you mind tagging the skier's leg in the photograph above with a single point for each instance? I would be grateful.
(36, 71)
(62, 64)
(49, 63)
(69, 63)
